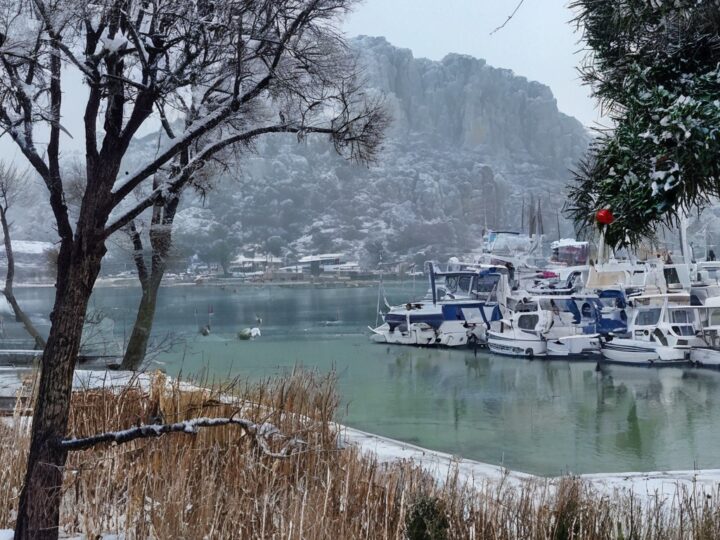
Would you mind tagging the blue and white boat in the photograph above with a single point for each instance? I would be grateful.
(555, 325)
(457, 311)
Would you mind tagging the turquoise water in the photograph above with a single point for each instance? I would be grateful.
(543, 417)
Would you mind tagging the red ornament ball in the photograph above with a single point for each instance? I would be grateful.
(605, 216)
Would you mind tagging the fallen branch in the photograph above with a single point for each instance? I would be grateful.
(260, 432)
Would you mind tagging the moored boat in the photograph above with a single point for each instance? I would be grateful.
(662, 331)
(457, 312)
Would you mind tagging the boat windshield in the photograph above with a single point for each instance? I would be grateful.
(486, 287)
(714, 319)
(682, 322)
(460, 284)
(648, 317)
(681, 316)
(521, 306)
(528, 322)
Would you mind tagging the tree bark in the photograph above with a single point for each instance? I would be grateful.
(140, 336)
(160, 241)
(20, 315)
(39, 507)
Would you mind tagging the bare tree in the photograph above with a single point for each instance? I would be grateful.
(12, 185)
(237, 63)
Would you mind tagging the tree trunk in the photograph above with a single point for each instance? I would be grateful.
(160, 242)
(20, 315)
(39, 507)
(140, 336)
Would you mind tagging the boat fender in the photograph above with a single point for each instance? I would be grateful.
(529, 352)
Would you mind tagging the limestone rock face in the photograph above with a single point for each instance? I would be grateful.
(463, 103)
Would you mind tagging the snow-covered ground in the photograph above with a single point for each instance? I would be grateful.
(645, 486)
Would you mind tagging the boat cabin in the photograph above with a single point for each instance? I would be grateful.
(568, 252)
(467, 285)
(664, 322)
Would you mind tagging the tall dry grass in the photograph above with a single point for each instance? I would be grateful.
(216, 484)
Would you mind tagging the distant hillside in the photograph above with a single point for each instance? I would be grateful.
(467, 144)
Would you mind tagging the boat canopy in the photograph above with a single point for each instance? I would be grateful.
(613, 294)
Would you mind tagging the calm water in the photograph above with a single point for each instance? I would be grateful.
(536, 416)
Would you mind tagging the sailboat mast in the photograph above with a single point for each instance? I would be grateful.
(557, 215)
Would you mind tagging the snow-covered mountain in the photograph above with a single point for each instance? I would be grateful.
(468, 142)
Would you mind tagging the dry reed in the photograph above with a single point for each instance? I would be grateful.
(215, 484)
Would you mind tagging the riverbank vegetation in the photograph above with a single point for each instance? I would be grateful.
(217, 483)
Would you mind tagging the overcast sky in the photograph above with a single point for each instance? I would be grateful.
(539, 42)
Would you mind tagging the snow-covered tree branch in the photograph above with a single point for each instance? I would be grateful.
(226, 71)
(262, 435)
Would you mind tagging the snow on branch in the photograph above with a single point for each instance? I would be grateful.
(262, 434)
(355, 134)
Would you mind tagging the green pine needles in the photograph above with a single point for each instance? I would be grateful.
(654, 66)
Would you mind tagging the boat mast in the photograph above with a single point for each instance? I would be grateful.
(684, 246)
(431, 269)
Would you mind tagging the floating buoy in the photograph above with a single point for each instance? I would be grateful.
(248, 333)
(244, 334)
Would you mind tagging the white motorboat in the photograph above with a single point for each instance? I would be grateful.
(552, 326)
(457, 312)
(708, 355)
(662, 331)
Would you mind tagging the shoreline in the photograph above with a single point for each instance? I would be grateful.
(224, 283)
(645, 485)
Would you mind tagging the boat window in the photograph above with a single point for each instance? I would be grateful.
(714, 318)
(648, 317)
(671, 276)
(525, 307)
(528, 322)
(464, 283)
(486, 284)
(684, 330)
(451, 283)
(570, 255)
(548, 304)
(681, 316)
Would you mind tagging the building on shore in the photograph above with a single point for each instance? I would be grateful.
(255, 264)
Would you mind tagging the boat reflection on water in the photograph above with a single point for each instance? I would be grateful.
(555, 416)
(540, 416)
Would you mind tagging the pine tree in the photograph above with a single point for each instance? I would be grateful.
(654, 66)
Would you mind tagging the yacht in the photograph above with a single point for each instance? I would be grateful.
(663, 329)
(554, 325)
(457, 310)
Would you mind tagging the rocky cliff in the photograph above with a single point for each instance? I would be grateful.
(467, 144)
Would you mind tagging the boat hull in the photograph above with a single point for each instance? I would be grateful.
(642, 353)
(516, 344)
(705, 357)
(578, 345)
(448, 334)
